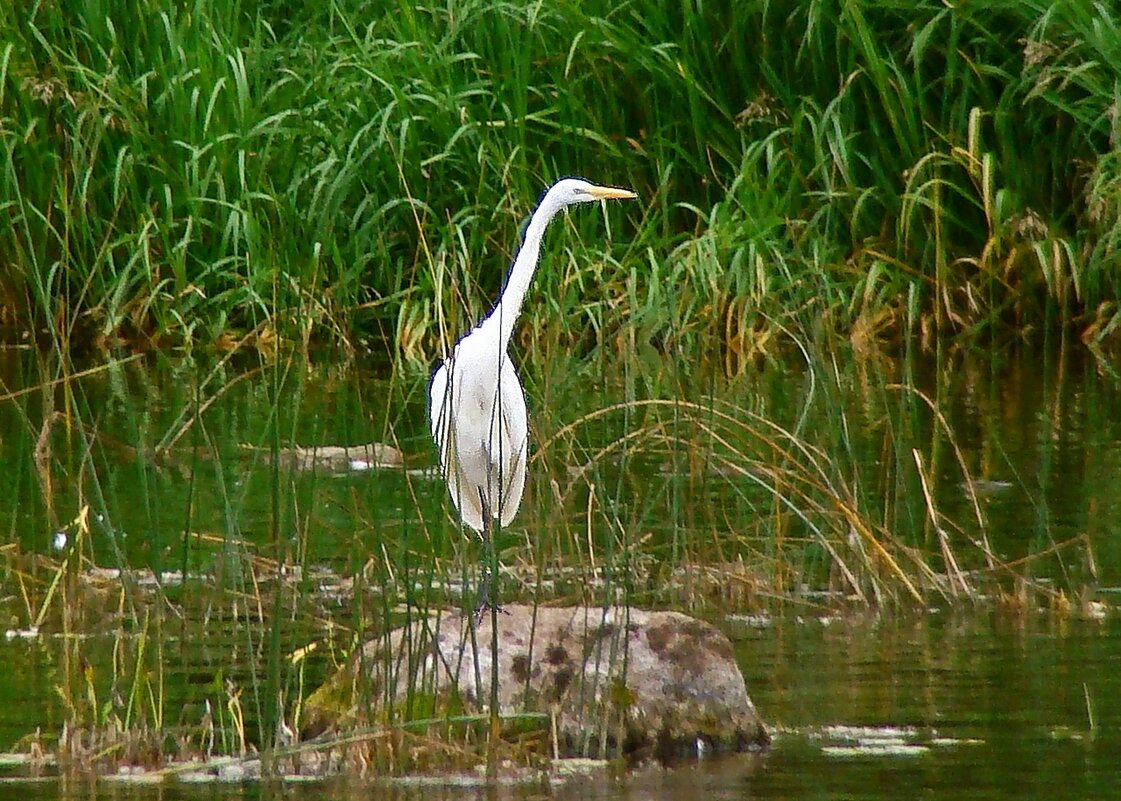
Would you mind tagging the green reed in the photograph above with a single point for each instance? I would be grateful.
(345, 173)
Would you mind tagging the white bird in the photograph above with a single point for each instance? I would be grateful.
(476, 402)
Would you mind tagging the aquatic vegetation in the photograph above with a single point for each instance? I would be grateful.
(258, 173)
(195, 570)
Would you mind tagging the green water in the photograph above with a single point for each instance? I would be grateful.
(995, 704)
(974, 699)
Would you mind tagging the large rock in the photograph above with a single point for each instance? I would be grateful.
(615, 680)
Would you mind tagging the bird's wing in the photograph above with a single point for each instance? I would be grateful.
(465, 495)
(437, 406)
(457, 475)
(514, 437)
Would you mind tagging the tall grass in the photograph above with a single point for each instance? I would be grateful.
(328, 172)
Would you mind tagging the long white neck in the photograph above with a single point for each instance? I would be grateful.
(509, 306)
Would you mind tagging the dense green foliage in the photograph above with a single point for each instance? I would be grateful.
(333, 170)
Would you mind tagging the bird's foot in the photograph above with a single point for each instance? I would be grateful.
(484, 601)
(482, 607)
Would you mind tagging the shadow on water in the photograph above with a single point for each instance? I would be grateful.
(235, 560)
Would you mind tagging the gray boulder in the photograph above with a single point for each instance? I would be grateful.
(610, 681)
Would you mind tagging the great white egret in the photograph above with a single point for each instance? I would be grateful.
(476, 402)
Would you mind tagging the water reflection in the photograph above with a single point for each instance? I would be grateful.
(999, 693)
(1021, 457)
(997, 702)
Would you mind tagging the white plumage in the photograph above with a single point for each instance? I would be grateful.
(476, 402)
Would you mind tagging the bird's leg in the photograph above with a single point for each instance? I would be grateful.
(484, 598)
(483, 603)
(482, 595)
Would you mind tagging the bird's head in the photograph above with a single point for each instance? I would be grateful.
(568, 191)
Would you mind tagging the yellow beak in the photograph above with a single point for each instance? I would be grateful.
(610, 193)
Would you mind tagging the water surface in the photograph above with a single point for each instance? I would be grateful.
(1014, 694)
